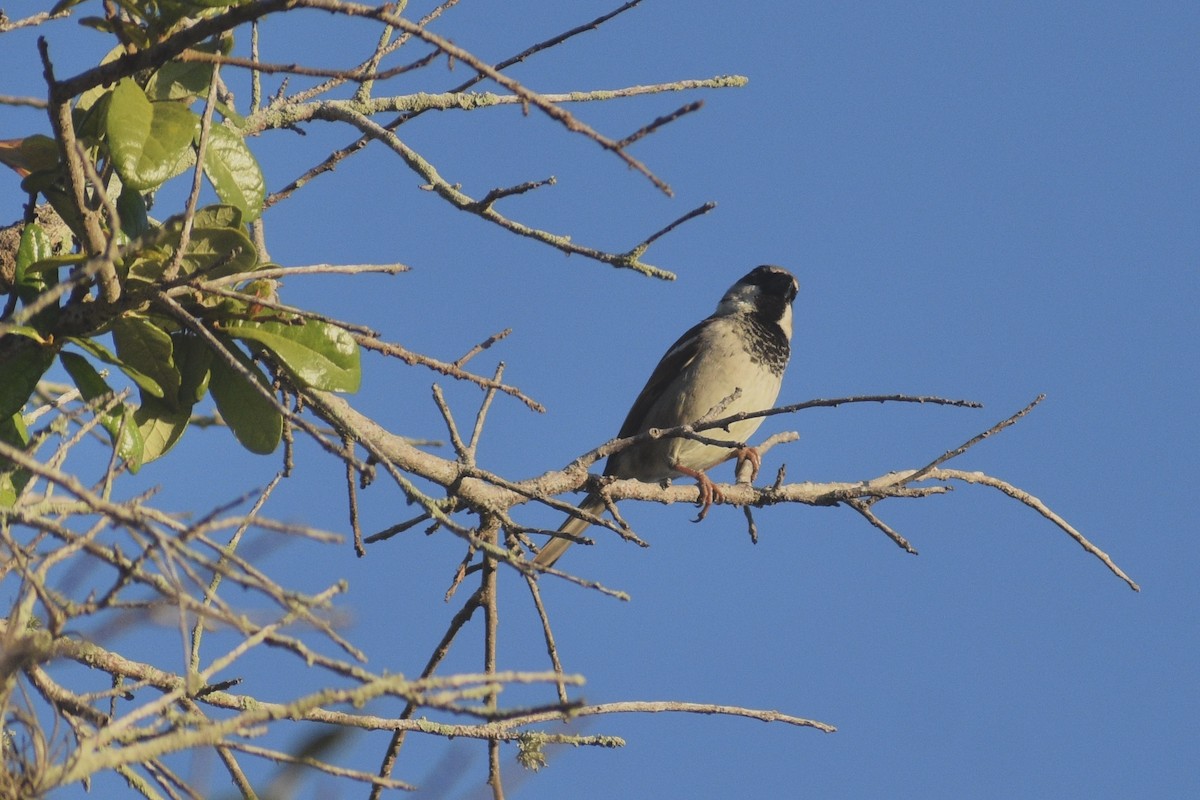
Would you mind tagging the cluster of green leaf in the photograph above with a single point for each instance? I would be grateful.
(140, 133)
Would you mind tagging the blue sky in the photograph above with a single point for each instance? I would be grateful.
(984, 200)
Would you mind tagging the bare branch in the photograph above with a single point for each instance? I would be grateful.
(1038, 506)
(30, 102)
(313, 269)
(957, 451)
(646, 130)
(7, 25)
(450, 369)
(356, 74)
(864, 508)
(458, 198)
(668, 706)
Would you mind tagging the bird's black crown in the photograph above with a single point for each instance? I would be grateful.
(773, 280)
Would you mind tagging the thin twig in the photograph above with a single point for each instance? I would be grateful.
(392, 530)
(328, 769)
(967, 445)
(668, 706)
(548, 635)
(351, 74)
(311, 269)
(484, 345)
(439, 399)
(666, 119)
(450, 369)
(1037, 505)
(7, 25)
(498, 194)
(864, 507)
(31, 102)
(490, 599)
(255, 75)
(352, 498)
(481, 416)
(651, 239)
(189, 214)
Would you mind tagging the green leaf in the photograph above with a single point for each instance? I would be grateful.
(316, 353)
(51, 185)
(102, 353)
(54, 263)
(130, 447)
(146, 348)
(39, 152)
(34, 153)
(231, 114)
(211, 253)
(131, 207)
(97, 24)
(35, 246)
(89, 382)
(12, 478)
(218, 252)
(24, 365)
(11, 484)
(118, 421)
(33, 251)
(148, 257)
(179, 80)
(255, 421)
(234, 172)
(27, 331)
(149, 142)
(160, 426)
(63, 5)
(194, 359)
(8, 489)
(218, 216)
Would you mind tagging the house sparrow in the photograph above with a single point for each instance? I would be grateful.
(742, 346)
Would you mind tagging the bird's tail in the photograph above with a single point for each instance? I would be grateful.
(573, 526)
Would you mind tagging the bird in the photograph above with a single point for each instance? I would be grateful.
(739, 352)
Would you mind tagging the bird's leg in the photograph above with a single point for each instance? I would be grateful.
(709, 493)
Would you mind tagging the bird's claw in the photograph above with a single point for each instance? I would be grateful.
(747, 454)
(709, 492)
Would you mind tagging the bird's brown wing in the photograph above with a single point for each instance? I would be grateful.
(669, 368)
